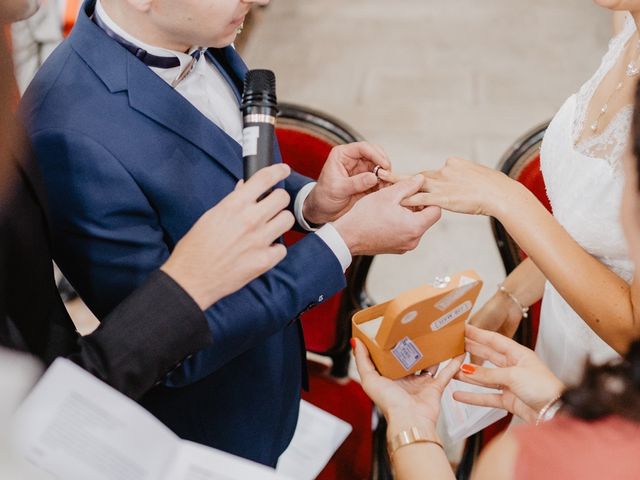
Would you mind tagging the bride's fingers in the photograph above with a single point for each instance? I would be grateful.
(391, 177)
(421, 199)
(433, 174)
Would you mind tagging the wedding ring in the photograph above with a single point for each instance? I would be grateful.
(375, 170)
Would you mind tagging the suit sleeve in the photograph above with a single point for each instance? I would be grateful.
(147, 335)
(108, 240)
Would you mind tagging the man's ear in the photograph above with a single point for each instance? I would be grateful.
(140, 5)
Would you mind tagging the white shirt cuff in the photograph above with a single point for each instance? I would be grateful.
(298, 204)
(334, 241)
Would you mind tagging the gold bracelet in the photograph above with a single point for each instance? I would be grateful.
(407, 437)
(523, 309)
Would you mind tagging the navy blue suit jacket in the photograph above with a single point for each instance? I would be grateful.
(129, 166)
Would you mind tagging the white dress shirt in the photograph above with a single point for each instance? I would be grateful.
(208, 91)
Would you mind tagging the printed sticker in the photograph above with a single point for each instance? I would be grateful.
(451, 316)
(250, 137)
(407, 353)
(457, 294)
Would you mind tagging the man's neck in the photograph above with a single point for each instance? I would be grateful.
(137, 24)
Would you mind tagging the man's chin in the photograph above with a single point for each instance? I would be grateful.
(16, 10)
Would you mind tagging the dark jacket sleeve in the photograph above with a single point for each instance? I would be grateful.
(142, 339)
(145, 337)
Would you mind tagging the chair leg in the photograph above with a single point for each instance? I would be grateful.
(340, 367)
(471, 451)
(381, 463)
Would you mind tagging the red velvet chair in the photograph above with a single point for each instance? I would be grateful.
(522, 163)
(306, 137)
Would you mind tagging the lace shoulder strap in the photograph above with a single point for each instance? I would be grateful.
(583, 97)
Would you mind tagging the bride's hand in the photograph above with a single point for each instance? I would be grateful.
(467, 187)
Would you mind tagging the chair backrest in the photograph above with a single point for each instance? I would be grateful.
(306, 137)
(522, 163)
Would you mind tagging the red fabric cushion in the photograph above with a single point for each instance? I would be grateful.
(345, 400)
(531, 177)
(306, 154)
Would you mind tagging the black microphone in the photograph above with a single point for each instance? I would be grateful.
(259, 109)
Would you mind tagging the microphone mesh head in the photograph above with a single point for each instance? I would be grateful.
(259, 89)
(260, 81)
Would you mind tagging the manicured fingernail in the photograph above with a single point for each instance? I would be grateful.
(468, 369)
(353, 343)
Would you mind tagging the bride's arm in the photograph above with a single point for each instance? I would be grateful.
(609, 305)
(501, 313)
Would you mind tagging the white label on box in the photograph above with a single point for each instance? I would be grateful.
(250, 137)
(407, 353)
(451, 316)
(465, 285)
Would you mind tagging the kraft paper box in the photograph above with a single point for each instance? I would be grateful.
(420, 327)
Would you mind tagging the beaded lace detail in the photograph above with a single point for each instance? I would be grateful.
(611, 143)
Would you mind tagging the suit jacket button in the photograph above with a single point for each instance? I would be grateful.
(321, 298)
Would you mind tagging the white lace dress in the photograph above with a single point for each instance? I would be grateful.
(584, 185)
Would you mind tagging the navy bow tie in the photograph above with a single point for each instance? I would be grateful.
(145, 57)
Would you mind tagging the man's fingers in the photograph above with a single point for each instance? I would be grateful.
(264, 179)
(429, 216)
(271, 205)
(481, 399)
(276, 253)
(421, 199)
(360, 151)
(382, 153)
(391, 177)
(277, 226)
(361, 182)
(405, 188)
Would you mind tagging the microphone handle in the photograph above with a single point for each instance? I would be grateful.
(257, 147)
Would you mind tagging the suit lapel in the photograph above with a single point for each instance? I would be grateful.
(154, 98)
(151, 96)
(231, 66)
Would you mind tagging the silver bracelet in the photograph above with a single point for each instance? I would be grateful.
(523, 309)
(549, 410)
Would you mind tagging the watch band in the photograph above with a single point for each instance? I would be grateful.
(407, 437)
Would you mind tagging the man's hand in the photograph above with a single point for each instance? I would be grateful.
(378, 223)
(232, 243)
(346, 177)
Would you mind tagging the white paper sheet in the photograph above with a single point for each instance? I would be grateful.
(318, 435)
(78, 428)
(462, 420)
(197, 462)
